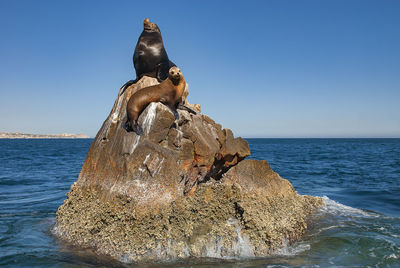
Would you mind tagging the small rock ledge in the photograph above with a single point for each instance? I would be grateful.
(182, 189)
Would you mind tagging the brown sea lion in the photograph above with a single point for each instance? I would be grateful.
(150, 57)
(168, 92)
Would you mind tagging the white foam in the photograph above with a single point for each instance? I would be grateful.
(337, 208)
(394, 235)
(325, 229)
(392, 256)
(213, 249)
(295, 249)
(126, 258)
(243, 248)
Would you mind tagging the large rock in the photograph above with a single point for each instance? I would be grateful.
(179, 190)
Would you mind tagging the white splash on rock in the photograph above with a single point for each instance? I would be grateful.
(140, 184)
(115, 114)
(154, 165)
(135, 143)
(213, 249)
(141, 169)
(242, 247)
(159, 168)
(146, 158)
(118, 188)
(150, 116)
(213, 131)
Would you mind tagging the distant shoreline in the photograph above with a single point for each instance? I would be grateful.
(17, 135)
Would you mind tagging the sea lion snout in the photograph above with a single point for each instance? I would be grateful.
(149, 26)
(174, 71)
(146, 23)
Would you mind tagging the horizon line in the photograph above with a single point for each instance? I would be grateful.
(288, 138)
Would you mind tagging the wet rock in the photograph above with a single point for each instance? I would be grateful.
(182, 189)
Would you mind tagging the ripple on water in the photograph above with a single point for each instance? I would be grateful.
(357, 179)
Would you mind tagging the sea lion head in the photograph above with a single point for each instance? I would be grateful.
(149, 26)
(175, 74)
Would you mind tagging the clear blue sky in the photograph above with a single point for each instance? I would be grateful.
(262, 68)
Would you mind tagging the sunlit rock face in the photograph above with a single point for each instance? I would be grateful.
(182, 189)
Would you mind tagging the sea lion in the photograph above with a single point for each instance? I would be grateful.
(168, 92)
(150, 57)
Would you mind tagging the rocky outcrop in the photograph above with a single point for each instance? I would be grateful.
(182, 189)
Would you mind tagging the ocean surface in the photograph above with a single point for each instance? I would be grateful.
(359, 180)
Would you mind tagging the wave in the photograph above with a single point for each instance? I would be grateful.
(336, 208)
(295, 249)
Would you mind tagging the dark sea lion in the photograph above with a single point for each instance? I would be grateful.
(168, 92)
(150, 57)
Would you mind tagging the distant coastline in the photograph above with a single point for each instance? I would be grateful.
(17, 135)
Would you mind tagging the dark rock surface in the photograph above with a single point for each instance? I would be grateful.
(182, 189)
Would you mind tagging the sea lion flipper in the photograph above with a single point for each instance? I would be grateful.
(185, 108)
(133, 127)
(126, 85)
(162, 71)
(128, 126)
(137, 129)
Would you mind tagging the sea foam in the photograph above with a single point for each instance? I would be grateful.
(336, 208)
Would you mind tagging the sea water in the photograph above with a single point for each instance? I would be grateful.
(359, 180)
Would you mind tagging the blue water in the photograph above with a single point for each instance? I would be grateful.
(359, 179)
